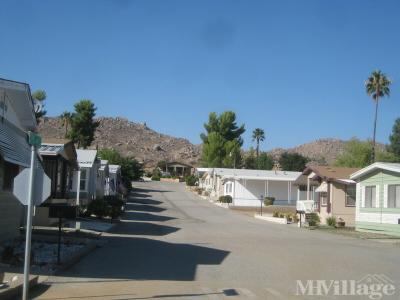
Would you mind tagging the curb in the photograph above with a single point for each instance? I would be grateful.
(75, 259)
(12, 293)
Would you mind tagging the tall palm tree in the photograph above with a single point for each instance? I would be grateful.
(377, 86)
(66, 117)
(258, 136)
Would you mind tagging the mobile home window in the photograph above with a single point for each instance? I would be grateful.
(394, 196)
(83, 180)
(370, 196)
(324, 198)
(350, 195)
(229, 187)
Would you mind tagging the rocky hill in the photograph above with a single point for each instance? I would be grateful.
(132, 139)
(150, 147)
(322, 151)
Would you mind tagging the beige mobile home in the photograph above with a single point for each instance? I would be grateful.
(331, 191)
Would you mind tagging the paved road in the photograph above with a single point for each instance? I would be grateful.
(174, 245)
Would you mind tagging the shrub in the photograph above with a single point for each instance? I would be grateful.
(99, 208)
(295, 219)
(115, 206)
(225, 199)
(149, 174)
(331, 221)
(199, 191)
(155, 177)
(269, 201)
(314, 219)
(206, 193)
(281, 215)
(191, 180)
(275, 214)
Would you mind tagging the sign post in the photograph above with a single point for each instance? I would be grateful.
(34, 141)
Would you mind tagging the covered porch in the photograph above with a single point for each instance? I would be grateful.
(252, 191)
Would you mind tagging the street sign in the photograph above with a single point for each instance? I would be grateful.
(42, 187)
(34, 139)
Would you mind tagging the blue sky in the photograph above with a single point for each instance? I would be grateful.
(294, 68)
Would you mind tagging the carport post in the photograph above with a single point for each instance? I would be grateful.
(78, 192)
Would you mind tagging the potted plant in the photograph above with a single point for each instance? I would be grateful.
(340, 223)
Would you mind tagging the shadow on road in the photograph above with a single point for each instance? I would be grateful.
(143, 228)
(143, 207)
(143, 216)
(143, 201)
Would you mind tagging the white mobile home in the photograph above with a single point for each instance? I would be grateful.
(248, 187)
(102, 179)
(89, 166)
(114, 180)
(17, 118)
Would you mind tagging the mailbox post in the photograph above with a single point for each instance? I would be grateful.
(261, 204)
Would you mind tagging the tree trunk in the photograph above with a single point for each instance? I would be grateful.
(374, 136)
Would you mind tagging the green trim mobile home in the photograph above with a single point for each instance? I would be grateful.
(378, 198)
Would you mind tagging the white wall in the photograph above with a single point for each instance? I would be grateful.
(248, 192)
(91, 182)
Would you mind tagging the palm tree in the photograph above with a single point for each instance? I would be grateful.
(258, 136)
(66, 117)
(377, 86)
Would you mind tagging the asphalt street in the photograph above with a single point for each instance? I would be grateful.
(171, 244)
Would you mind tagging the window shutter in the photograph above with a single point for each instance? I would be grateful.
(385, 196)
(377, 200)
(363, 196)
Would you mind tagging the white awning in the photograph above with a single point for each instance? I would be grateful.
(323, 188)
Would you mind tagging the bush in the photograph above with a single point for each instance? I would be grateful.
(191, 180)
(314, 219)
(155, 177)
(281, 215)
(331, 221)
(275, 214)
(269, 201)
(149, 174)
(99, 208)
(295, 218)
(225, 199)
(115, 206)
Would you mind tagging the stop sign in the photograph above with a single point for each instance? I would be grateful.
(41, 187)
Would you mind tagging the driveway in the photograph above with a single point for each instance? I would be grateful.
(171, 244)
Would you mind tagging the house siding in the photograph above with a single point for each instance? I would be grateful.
(11, 214)
(339, 208)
